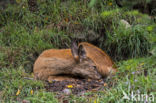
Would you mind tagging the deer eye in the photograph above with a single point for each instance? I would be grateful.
(94, 67)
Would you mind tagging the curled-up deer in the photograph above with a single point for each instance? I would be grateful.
(84, 60)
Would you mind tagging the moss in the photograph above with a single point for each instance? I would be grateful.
(111, 13)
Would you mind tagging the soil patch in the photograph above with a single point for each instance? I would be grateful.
(78, 86)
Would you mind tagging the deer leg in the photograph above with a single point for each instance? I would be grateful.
(60, 78)
(54, 73)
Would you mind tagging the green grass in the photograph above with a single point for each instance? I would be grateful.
(24, 35)
(131, 77)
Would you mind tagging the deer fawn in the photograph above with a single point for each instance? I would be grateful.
(83, 60)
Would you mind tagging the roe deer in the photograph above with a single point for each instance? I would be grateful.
(83, 60)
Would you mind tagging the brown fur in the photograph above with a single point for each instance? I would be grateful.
(53, 62)
(100, 58)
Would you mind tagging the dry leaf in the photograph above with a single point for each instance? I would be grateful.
(50, 81)
(70, 86)
(141, 64)
(95, 101)
(66, 19)
(105, 84)
(110, 4)
(31, 92)
(18, 92)
(46, 18)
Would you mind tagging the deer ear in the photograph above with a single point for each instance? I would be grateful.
(82, 53)
(74, 49)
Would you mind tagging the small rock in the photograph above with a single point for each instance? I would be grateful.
(25, 101)
(67, 91)
(125, 23)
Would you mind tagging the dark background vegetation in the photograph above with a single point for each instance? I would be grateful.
(27, 27)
